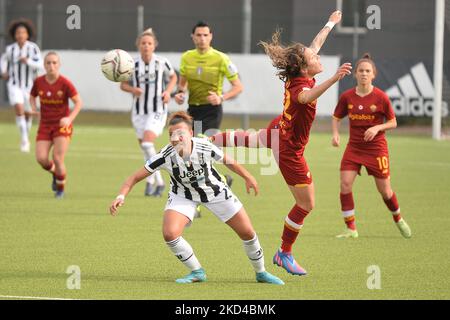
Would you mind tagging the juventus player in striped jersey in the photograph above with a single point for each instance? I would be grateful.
(19, 65)
(150, 98)
(194, 180)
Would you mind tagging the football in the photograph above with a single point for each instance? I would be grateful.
(117, 65)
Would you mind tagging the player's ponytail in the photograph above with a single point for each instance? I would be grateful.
(180, 116)
(366, 57)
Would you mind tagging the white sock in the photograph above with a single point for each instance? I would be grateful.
(255, 253)
(29, 122)
(183, 251)
(22, 125)
(148, 148)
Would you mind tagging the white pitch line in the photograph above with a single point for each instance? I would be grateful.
(35, 298)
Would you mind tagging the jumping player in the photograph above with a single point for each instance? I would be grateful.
(297, 65)
(367, 108)
(194, 180)
(19, 66)
(150, 99)
(55, 127)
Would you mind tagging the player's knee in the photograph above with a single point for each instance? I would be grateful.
(170, 234)
(59, 160)
(42, 160)
(386, 193)
(346, 186)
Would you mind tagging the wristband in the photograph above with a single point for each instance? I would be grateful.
(120, 197)
(330, 24)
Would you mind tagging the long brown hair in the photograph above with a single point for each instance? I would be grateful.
(289, 60)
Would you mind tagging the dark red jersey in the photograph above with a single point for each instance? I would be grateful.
(54, 98)
(297, 118)
(363, 113)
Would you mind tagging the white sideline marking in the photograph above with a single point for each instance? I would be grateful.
(35, 298)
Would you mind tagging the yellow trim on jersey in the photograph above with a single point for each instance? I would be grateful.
(301, 185)
(336, 117)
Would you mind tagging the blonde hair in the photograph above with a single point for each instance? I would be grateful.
(147, 32)
(288, 60)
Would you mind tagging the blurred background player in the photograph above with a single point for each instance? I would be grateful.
(367, 108)
(194, 180)
(19, 66)
(150, 99)
(297, 66)
(55, 126)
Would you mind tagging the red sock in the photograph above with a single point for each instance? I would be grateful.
(348, 209)
(393, 206)
(292, 226)
(60, 182)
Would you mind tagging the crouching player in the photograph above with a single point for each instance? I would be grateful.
(194, 181)
(55, 126)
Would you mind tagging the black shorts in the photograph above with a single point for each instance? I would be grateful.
(209, 117)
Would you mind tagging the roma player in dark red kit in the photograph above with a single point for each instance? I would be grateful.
(370, 114)
(297, 66)
(55, 127)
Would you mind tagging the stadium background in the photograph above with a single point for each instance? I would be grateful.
(405, 40)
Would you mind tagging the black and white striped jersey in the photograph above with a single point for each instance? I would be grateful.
(21, 74)
(196, 178)
(151, 78)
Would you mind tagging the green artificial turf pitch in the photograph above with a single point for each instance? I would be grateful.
(126, 258)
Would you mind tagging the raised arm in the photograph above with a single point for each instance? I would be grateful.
(309, 96)
(319, 40)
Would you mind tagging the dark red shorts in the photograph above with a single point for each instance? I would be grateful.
(49, 132)
(375, 161)
(291, 162)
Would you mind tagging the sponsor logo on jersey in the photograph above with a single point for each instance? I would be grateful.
(194, 173)
(353, 116)
(413, 95)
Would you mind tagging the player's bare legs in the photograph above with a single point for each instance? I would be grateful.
(148, 147)
(173, 226)
(390, 199)
(304, 203)
(242, 225)
(60, 147)
(347, 204)
(21, 122)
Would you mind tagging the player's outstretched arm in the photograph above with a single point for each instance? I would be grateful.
(319, 40)
(139, 175)
(309, 96)
(250, 181)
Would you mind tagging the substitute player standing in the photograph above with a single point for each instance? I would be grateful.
(297, 65)
(150, 98)
(19, 66)
(55, 127)
(370, 114)
(194, 180)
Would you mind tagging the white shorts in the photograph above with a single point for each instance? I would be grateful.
(224, 206)
(18, 95)
(154, 122)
